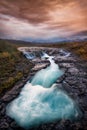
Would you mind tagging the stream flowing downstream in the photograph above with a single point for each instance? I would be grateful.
(40, 100)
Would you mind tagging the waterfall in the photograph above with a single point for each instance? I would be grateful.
(40, 101)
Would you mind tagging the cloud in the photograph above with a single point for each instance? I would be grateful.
(42, 19)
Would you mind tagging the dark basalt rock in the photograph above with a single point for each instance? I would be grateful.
(14, 124)
(74, 82)
(4, 125)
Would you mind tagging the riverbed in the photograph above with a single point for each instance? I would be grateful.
(41, 101)
(73, 82)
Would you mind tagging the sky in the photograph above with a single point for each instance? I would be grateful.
(43, 20)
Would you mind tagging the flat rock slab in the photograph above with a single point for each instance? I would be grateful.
(74, 81)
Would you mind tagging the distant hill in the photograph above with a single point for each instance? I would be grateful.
(27, 43)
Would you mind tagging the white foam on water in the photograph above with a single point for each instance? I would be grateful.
(36, 105)
(46, 77)
(40, 101)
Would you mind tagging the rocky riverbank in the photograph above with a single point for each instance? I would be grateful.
(74, 81)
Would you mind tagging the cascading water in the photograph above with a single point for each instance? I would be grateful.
(46, 77)
(41, 101)
(29, 55)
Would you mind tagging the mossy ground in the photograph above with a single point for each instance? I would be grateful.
(13, 65)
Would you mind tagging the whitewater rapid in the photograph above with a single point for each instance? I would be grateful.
(40, 100)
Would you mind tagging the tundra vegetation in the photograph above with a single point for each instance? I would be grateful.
(13, 65)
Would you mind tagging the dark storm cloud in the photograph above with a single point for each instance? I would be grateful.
(42, 18)
(33, 11)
